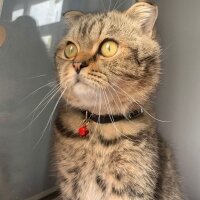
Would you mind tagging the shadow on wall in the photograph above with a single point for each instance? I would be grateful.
(24, 67)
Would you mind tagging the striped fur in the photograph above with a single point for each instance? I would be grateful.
(125, 160)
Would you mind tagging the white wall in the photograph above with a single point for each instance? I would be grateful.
(179, 93)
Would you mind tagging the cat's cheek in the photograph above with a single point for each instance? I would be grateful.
(68, 77)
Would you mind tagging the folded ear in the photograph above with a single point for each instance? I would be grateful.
(145, 15)
(72, 16)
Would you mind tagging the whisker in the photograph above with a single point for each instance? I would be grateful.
(97, 123)
(35, 91)
(39, 112)
(89, 119)
(116, 3)
(108, 106)
(55, 88)
(119, 132)
(50, 118)
(100, 105)
(130, 80)
(110, 116)
(121, 105)
(42, 75)
(114, 100)
(163, 121)
(56, 92)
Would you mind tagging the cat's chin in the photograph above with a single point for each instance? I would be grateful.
(81, 88)
(88, 98)
(84, 94)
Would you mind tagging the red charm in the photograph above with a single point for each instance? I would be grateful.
(83, 131)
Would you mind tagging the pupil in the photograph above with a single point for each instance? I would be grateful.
(108, 47)
(71, 49)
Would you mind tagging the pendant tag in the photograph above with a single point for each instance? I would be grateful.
(83, 130)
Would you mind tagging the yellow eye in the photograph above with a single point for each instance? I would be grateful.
(109, 48)
(70, 51)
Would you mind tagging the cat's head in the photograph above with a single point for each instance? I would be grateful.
(109, 62)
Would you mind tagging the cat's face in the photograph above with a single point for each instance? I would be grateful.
(109, 61)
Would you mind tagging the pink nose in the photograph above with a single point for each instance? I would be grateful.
(79, 65)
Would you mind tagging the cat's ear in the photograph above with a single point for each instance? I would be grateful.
(72, 16)
(145, 14)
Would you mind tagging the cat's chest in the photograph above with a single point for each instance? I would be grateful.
(95, 155)
(85, 165)
(90, 166)
(88, 154)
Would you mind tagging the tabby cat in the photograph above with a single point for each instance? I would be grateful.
(106, 144)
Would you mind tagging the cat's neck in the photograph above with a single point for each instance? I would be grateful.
(116, 110)
(74, 118)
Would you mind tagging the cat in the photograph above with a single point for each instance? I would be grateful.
(106, 144)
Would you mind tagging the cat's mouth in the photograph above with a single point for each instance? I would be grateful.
(77, 80)
(80, 80)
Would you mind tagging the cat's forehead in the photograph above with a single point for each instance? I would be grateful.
(90, 27)
(95, 27)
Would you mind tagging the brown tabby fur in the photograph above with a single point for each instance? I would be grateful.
(125, 160)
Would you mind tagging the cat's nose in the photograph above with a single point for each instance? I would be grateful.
(79, 65)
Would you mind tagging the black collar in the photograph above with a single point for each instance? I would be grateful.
(105, 119)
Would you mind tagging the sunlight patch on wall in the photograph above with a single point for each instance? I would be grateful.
(17, 13)
(46, 12)
(47, 39)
